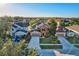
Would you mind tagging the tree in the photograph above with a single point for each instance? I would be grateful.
(30, 52)
(10, 49)
(4, 29)
(7, 46)
(52, 25)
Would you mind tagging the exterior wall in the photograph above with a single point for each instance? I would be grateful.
(60, 33)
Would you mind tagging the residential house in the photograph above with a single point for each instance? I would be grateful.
(19, 29)
(43, 28)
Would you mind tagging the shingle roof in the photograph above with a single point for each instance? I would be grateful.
(42, 25)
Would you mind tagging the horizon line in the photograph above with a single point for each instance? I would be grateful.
(42, 16)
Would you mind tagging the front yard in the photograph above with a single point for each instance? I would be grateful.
(74, 40)
(50, 43)
(49, 40)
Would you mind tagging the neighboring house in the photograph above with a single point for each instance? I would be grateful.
(66, 20)
(43, 28)
(72, 30)
(19, 29)
(60, 29)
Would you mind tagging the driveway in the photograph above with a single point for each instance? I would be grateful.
(68, 48)
(34, 42)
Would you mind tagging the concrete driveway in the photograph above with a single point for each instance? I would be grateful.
(68, 48)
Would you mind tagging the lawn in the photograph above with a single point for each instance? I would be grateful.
(49, 41)
(76, 46)
(73, 40)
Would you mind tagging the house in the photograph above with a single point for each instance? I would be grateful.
(43, 28)
(22, 23)
(66, 20)
(19, 29)
(72, 30)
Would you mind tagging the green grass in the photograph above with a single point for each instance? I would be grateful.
(76, 46)
(73, 40)
(51, 46)
(49, 41)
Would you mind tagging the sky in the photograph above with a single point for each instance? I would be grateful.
(40, 9)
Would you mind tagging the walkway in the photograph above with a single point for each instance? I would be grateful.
(68, 48)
